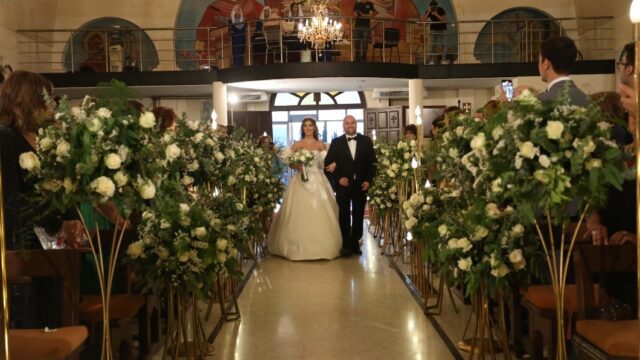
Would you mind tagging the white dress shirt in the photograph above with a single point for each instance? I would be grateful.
(352, 145)
(561, 78)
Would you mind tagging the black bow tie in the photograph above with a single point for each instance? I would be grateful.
(351, 138)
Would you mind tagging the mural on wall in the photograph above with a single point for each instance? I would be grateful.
(110, 44)
(197, 42)
(516, 37)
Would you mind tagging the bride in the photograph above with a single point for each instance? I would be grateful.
(306, 227)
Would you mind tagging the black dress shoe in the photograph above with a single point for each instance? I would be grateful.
(345, 252)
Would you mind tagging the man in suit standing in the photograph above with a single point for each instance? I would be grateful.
(557, 57)
(351, 162)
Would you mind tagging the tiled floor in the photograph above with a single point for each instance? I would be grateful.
(349, 308)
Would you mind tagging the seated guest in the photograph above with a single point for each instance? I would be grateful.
(609, 103)
(557, 57)
(410, 132)
(165, 117)
(490, 108)
(22, 112)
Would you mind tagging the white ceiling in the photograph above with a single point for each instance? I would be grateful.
(294, 85)
(361, 84)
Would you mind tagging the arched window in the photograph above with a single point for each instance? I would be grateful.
(514, 35)
(125, 45)
(327, 108)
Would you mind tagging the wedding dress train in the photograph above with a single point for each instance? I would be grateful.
(306, 227)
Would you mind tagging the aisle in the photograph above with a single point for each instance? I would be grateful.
(349, 308)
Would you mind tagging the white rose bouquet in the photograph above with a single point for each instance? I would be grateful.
(183, 246)
(301, 157)
(393, 169)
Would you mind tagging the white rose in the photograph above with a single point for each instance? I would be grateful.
(164, 224)
(517, 230)
(45, 143)
(603, 125)
(195, 165)
(554, 130)
(480, 232)
(198, 137)
(465, 264)
(184, 257)
(222, 257)
(121, 178)
(221, 244)
(497, 133)
(63, 149)
(103, 186)
(231, 180)
(589, 147)
(410, 212)
(527, 150)
(103, 113)
(464, 244)
(172, 152)
(516, 256)
(219, 156)
(94, 125)
(496, 186)
(199, 232)
(184, 208)
(147, 120)
(594, 164)
(231, 227)
(29, 161)
(478, 141)
(453, 152)
(187, 180)
(135, 249)
(209, 142)
(442, 230)
(509, 210)
(410, 223)
(162, 252)
(459, 130)
(193, 125)
(112, 161)
(492, 210)
(68, 185)
(184, 221)
(500, 271)
(544, 161)
(147, 190)
(78, 113)
(123, 152)
(541, 176)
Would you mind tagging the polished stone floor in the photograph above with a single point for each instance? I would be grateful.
(349, 308)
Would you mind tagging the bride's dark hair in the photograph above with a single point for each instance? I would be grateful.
(315, 128)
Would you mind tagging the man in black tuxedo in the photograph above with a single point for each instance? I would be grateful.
(351, 162)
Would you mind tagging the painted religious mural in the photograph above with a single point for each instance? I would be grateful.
(205, 23)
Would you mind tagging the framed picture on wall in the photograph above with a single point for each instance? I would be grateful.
(394, 119)
(383, 135)
(371, 120)
(394, 135)
(382, 120)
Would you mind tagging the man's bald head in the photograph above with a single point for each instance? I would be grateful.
(350, 125)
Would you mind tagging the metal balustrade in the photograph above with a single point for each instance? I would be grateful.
(391, 41)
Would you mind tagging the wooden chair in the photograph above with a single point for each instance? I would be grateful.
(602, 339)
(62, 343)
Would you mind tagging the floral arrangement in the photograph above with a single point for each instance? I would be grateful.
(302, 158)
(95, 154)
(184, 246)
(393, 167)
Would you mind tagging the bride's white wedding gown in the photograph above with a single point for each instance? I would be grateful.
(306, 227)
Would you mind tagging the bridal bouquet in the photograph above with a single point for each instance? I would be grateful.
(302, 158)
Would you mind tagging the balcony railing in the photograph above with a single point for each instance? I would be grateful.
(391, 41)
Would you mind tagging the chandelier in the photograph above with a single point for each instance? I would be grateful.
(320, 30)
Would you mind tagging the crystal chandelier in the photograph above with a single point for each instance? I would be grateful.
(320, 30)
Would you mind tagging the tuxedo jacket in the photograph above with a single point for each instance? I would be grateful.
(357, 170)
(578, 98)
